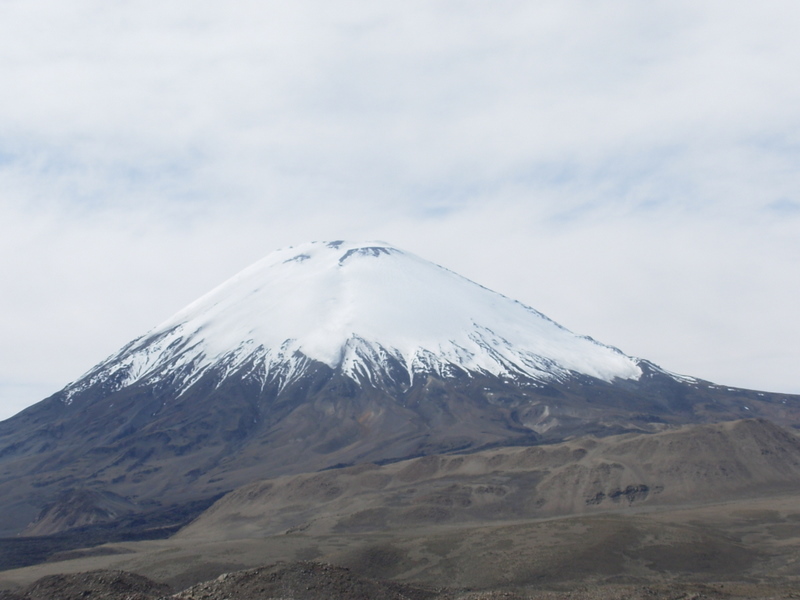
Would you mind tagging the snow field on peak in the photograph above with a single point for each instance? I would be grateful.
(352, 305)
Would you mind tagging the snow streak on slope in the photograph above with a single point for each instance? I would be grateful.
(357, 308)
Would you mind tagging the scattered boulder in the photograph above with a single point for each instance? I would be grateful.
(301, 581)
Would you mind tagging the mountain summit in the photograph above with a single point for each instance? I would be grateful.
(369, 311)
(318, 356)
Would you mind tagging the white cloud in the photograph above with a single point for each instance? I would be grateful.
(632, 165)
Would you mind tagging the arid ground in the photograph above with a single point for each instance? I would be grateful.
(718, 515)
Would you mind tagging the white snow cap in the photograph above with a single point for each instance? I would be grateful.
(351, 305)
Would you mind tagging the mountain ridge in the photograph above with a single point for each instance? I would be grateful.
(693, 463)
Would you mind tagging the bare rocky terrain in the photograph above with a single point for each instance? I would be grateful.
(708, 511)
(104, 459)
(320, 581)
(95, 584)
(709, 463)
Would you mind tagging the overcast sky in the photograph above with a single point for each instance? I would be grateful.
(628, 168)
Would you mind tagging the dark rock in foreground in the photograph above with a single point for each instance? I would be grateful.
(108, 585)
(303, 580)
(319, 581)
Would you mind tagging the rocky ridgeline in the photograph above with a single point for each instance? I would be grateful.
(304, 580)
(318, 581)
(105, 585)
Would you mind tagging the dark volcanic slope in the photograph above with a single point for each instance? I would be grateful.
(141, 448)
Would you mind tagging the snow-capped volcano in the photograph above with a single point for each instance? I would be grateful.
(322, 355)
(362, 309)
